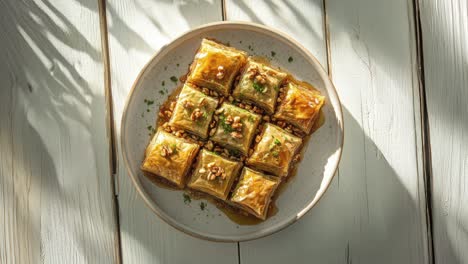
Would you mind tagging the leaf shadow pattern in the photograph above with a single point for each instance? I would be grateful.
(57, 181)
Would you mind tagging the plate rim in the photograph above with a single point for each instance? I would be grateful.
(258, 234)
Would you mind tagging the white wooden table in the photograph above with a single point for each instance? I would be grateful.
(400, 68)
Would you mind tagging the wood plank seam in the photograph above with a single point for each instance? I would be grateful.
(425, 133)
(327, 39)
(110, 126)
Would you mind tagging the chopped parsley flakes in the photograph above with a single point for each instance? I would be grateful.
(258, 87)
(290, 59)
(203, 206)
(174, 79)
(277, 142)
(187, 199)
(226, 127)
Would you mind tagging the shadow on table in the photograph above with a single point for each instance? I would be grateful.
(53, 136)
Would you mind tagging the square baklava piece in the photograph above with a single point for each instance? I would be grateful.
(235, 127)
(275, 151)
(214, 174)
(253, 192)
(169, 157)
(300, 106)
(215, 66)
(193, 111)
(259, 84)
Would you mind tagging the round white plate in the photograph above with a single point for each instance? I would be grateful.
(315, 171)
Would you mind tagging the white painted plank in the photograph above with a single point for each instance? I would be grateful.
(55, 192)
(137, 30)
(444, 27)
(374, 210)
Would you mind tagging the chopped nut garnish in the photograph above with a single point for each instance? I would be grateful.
(260, 79)
(166, 151)
(172, 105)
(196, 114)
(235, 122)
(252, 72)
(236, 134)
(220, 73)
(187, 104)
(168, 113)
(214, 171)
(219, 111)
(297, 158)
(209, 145)
(229, 120)
(213, 123)
(163, 152)
(237, 126)
(212, 132)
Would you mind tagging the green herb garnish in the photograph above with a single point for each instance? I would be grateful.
(277, 142)
(290, 59)
(258, 87)
(163, 83)
(203, 206)
(161, 92)
(177, 64)
(147, 110)
(226, 127)
(174, 148)
(187, 199)
(149, 127)
(251, 119)
(174, 79)
(273, 53)
(234, 152)
(275, 153)
(149, 102)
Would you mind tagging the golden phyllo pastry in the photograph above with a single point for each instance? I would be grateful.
(260, 85)
(215, 66)
(193, 111)
(275, 151)
(235, 127)
(169, 157)
(254, 191)
(214, 174)
(300, 107)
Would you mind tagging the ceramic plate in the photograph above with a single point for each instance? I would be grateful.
(315, 171)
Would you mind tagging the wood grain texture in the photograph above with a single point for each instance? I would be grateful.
(55, 191)
(444, 27)
(374, 212)
(137, 29)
